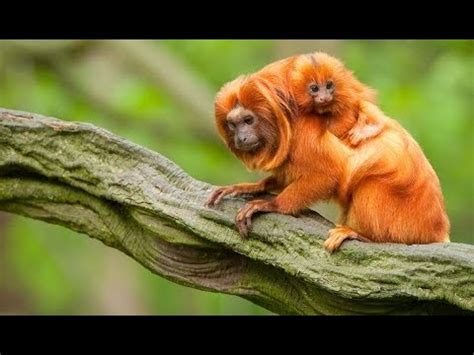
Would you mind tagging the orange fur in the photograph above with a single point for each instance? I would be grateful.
(306, 153)
(253, 94)
(386, 187)
(345, 114)
(391, 193)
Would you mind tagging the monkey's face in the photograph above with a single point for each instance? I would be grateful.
(322, 93)
(320, 83)
(251, 120)
(244, 129)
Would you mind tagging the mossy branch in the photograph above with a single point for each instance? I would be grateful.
(135, 200)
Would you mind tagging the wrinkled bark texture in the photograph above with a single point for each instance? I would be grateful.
(135, 200)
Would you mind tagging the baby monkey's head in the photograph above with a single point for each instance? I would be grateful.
(321, 84)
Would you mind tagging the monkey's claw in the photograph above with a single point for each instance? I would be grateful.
(243, 220)
(243, 226)
(218, 195)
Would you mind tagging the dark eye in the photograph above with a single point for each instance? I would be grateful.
(329, 85)
(231, 125)
(248, 120)
(314, 88)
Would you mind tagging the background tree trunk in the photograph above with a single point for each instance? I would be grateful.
(139, 202)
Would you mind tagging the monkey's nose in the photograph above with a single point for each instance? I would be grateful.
(241, 140)
(323, 99)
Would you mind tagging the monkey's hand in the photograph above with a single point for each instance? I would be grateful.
(294, 198)
(220, 193)
(243, 219)
(264, 185)
(370, 123)
(356, 136)
(359, 134)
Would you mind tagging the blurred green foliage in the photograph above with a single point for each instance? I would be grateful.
(427, 85)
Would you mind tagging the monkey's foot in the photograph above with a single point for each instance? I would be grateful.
(338, 235)
(243, 220)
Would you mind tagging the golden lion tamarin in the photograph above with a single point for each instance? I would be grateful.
(322, 85)
(305, 160)
(386, 187)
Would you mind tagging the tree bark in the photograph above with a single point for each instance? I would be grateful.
(139, 202)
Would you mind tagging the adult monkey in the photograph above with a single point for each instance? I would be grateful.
(258, 125)
(373, 184)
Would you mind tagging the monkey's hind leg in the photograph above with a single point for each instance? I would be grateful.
(338, 235)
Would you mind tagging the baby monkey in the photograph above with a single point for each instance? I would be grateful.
(323, 86)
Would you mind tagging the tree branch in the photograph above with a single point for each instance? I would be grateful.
(139, 202)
